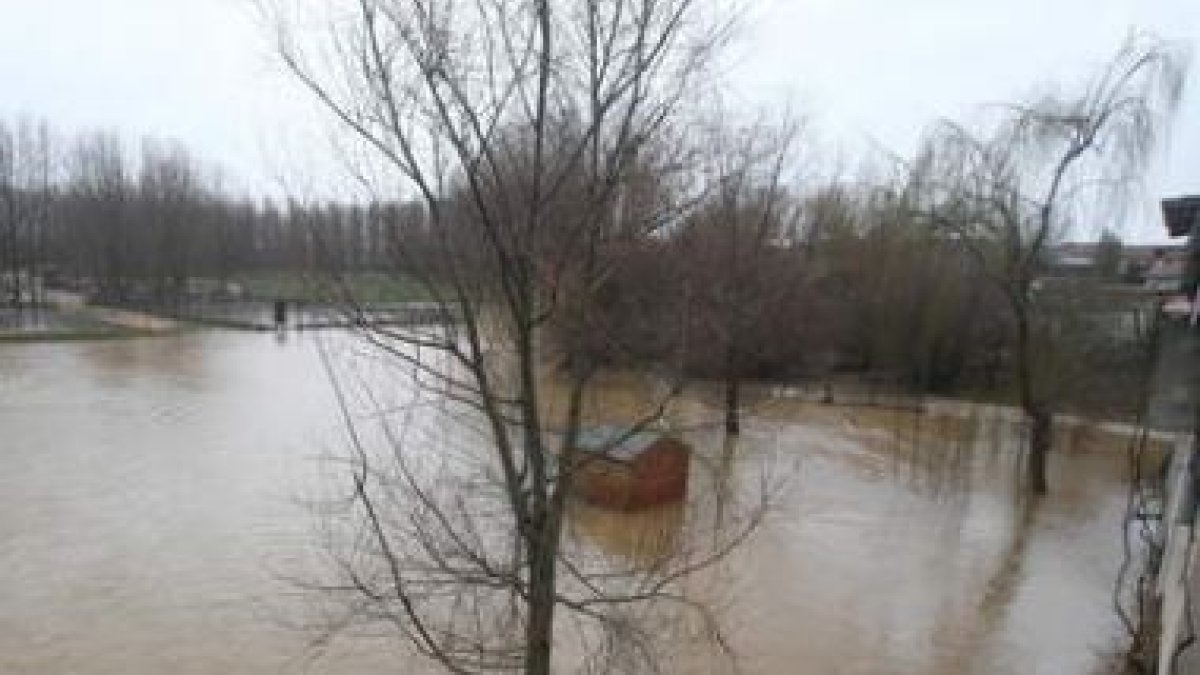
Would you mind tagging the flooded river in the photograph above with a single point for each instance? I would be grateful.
(148, 512)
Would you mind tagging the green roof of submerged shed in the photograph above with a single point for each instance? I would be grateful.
(616, 443)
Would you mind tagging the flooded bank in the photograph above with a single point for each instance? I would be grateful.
(148, 510)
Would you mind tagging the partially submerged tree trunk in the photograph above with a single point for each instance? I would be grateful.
(733, 425)
(1037, 414)
(1041, 436)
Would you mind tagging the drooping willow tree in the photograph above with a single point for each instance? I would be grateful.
(1008, 192)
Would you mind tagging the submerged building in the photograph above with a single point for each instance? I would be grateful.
(628, 471)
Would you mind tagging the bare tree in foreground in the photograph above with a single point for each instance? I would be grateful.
(1007, 194)
(523, 127)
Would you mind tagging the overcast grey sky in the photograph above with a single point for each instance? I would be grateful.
(865, 71)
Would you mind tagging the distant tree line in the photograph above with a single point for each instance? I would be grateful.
(87, 213)
(933, 279)
(838, 280)
(755, 278)
(851, 282)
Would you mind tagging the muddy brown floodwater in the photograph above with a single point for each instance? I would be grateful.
(148, 509)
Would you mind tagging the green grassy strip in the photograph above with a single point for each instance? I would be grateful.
(365, 286)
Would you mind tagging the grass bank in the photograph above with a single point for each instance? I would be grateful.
(366, 287)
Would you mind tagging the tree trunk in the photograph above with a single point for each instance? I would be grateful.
(545, 501)
(1040, 437)
(539, 632)
(733, 424)
(1040, 418)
